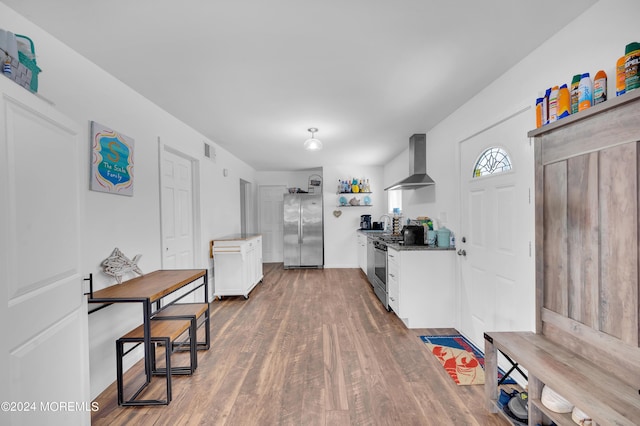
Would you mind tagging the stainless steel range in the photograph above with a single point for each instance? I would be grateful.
(380, 267)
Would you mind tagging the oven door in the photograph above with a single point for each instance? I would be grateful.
(380, 274)
(380, 256)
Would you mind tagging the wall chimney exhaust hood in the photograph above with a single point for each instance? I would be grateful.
(418, 176)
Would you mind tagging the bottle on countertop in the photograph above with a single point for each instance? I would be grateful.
(600, 87)
(575, 82)
(585, 92)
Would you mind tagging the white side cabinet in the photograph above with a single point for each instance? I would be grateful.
(237, 263)
(421, 287)
(362, 252)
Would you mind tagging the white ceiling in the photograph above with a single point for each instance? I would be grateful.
(254, 75)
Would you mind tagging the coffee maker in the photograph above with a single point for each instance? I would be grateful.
(365, 221)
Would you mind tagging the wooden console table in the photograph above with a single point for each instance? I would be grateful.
(147, 290)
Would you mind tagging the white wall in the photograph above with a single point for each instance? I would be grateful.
(340, 232)
(84, 92)
(594, 41)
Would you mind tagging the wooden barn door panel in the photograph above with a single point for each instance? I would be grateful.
(619, 242)
(555, 238)
(583, 239)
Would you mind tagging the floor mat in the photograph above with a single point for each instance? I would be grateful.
(460, 358)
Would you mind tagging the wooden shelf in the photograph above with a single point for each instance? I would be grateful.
(558, 418)
(507, 418)
(608, 104)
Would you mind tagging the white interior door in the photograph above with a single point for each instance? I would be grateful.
(177, 212)
(271, 222)
(44, 359)
(497, 268)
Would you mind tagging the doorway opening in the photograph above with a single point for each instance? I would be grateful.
(245, 205)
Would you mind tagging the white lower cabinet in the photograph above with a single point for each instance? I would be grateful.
(237, 265)
(362, 252)
(421, 287)
(393, 285)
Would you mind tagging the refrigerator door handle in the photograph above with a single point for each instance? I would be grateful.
(300, 227)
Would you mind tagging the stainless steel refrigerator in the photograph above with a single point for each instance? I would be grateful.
(303, 231)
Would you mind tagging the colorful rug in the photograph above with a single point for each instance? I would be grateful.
(460, 358)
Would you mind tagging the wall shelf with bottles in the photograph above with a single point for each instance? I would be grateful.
(354, 186)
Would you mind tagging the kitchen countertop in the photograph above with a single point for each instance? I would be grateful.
(375, 234)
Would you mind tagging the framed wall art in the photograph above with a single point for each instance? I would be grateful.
(111, 161)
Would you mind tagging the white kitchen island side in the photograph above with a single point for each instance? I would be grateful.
(421, 287)
(237, 264)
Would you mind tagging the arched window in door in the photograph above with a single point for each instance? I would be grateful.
(492, 160)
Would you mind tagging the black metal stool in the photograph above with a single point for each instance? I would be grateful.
(189, 311)
(165, 333)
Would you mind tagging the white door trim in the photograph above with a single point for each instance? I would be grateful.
(198, 258)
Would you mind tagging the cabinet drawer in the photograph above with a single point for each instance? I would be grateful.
(393, 286)
(393, 269)
(393, 258)
(393, 272)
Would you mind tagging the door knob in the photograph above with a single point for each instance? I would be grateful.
(462, 252)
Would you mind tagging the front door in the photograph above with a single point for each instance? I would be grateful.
(44, 360)
(496, 263)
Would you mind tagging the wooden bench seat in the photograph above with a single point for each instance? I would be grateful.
(593, 389)
(165, 333)
(189, 311)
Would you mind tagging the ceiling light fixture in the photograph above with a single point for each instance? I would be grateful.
(312, 144)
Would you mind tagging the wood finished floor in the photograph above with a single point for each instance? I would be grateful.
(309, 347)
